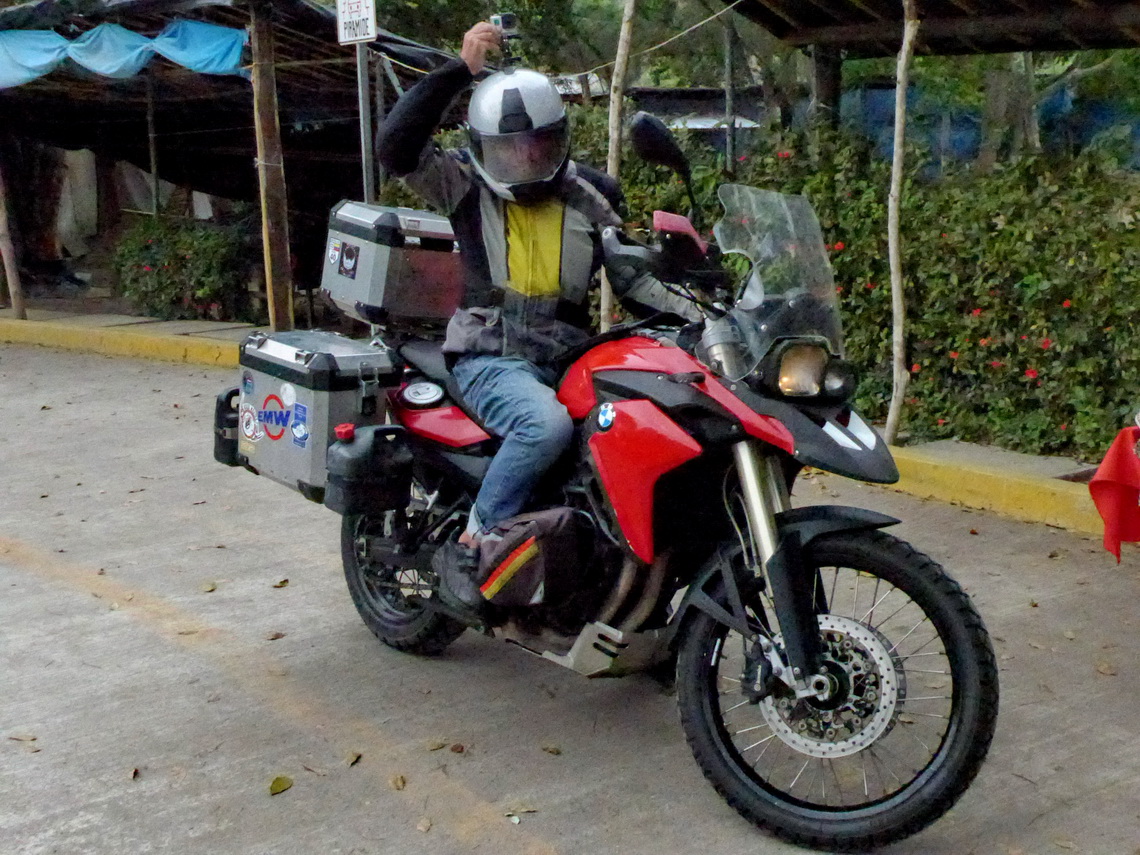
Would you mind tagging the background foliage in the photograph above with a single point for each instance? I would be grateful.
(1023, 285)
(174, 268)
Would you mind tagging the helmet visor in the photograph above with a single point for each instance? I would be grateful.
(525, 156)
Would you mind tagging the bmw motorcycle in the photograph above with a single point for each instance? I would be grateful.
(835, 685)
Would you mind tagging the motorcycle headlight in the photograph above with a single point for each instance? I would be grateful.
(801, 371)
(808, 370)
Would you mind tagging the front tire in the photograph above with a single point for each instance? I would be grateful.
(906, 730)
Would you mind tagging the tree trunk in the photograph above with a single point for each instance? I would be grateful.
(613, 159)
(901, 376)
(994, 119)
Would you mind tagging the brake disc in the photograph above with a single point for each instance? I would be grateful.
(867, 687)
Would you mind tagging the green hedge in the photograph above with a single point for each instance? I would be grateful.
(176, 268)
(1022, 286)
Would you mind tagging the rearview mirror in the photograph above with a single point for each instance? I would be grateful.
(654, 142)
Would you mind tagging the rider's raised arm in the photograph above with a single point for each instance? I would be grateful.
(406, 148)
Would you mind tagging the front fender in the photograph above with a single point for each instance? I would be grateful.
(717, 589)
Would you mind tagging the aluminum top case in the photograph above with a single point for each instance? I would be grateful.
(296, 387)
(384, 264)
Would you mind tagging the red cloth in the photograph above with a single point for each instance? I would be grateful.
(1115, 490)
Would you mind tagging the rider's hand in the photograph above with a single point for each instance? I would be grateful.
(477, 41)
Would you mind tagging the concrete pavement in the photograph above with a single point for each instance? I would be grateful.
(137, 628)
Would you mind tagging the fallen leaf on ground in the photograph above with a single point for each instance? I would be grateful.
(1106, 669)
(397, 782)
(458, 748)
(134, 773)
(906, 719)
(352, 758)
(1036, 646)
(514, 818)
(273, 636)
(1069, 634)
(435, 745)
(280, 784)
(424, 824)
(281, 584)
(552, 749)
(314, 771)
(209, 587)
(973, 531)
(23, 737)
(1064, 844)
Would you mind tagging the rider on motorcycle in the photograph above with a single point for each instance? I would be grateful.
(528, 220)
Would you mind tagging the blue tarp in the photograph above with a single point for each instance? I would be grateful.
(114, 51)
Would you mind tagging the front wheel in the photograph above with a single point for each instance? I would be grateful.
(907, 724)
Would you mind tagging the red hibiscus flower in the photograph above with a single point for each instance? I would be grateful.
(1031, 373)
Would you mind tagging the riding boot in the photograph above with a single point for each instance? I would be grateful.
(457, 566)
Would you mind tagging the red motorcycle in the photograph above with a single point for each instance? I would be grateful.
(836, 686)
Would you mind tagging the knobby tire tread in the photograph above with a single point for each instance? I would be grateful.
(432, 633)
(957, 603)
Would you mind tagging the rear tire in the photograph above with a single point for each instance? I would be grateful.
(908, 725)
(388, 598)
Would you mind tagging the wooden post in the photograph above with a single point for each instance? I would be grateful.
(152, 143)
(729, 97)
(271, 172)
(613, 160)
(8, 252)
(900, 372)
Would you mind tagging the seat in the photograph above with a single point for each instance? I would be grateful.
(427, 356)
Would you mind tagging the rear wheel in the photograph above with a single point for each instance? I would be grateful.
(908, 720)
(388, 586)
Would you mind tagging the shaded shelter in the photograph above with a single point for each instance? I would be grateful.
(871, 28)
(204, 128)
(199, 130)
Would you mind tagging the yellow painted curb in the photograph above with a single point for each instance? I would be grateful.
(1008, 491)
(122, 341)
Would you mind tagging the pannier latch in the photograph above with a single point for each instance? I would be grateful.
(369, 389)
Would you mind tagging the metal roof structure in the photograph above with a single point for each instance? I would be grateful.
(872, 28)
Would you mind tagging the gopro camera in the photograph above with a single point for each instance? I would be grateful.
(508, 22)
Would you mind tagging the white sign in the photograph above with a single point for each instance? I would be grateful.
(355, 21)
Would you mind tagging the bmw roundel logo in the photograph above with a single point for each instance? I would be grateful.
(606, 416)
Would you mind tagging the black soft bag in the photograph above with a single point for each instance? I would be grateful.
(529, 557)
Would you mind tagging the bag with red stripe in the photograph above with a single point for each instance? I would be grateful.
(525, 554)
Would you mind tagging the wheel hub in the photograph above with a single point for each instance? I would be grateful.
(864, 690)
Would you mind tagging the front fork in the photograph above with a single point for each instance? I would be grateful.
(779, 561)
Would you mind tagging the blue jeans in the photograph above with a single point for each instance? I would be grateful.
(515, 401)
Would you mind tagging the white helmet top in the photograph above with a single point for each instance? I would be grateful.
(519, 134)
